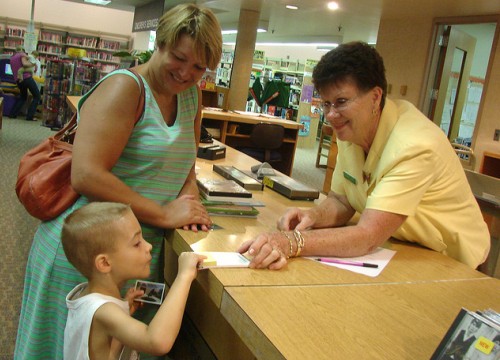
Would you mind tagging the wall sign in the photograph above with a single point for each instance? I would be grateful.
(147, 17)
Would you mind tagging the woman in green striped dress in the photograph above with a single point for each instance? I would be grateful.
(148, 164)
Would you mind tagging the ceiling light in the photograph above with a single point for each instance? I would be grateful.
(292, 7)
(97, 2)
(232, 32)
(332, 5)
(319, 46)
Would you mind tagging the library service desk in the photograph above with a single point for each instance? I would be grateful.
(312, 311)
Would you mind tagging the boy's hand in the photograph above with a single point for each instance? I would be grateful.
(132, 294)
(188, 264)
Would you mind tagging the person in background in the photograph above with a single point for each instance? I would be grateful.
(38, 64)
(25, 82)
(395, 168)
(27, 69)
(104, 242)
(149, 165)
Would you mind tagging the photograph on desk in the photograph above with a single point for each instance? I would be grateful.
(472, 336)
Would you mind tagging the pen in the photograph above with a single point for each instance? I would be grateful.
(347, 262)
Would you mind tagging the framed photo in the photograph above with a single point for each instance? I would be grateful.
(153, 291)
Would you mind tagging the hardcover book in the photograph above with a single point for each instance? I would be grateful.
(291, 188)
(222, 189)
(232, 173)
(472, 335)
(228, 209)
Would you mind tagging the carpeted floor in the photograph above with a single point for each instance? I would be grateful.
(17, 228)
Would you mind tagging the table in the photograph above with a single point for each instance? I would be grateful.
(72, 102)
(382, 321)
(248, 312)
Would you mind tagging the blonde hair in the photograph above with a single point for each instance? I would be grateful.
(90, 231)
(198, 23)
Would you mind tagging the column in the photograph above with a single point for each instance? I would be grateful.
(243, 54)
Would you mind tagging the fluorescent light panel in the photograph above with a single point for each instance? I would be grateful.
(320, 46)
(232, 32)
(98, 2)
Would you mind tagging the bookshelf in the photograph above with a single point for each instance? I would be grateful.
(13, 36)
(55, 42)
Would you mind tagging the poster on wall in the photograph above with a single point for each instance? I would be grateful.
(306, 125)
(307, 93)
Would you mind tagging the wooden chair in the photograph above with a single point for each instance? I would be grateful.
(327, 148)
(325, 140)
(266, 139)
(466, 155)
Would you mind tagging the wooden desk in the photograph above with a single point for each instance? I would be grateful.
(383, 321)
(72, 102)
(234, 130)
(229, 327)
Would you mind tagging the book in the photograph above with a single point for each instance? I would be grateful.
(217, 259)
(232, 173)
(472, 335)
(290, 188)
(228, 209)
(222, 188)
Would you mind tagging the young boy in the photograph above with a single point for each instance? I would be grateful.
(104, 242)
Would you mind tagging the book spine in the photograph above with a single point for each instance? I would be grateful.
(270, 183)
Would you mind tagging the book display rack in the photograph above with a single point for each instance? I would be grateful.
(58, 84)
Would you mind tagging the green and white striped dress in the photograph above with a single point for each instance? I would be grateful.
(155, 163)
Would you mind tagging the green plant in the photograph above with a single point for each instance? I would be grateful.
(142, 57)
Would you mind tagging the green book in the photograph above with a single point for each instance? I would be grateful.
(221, 209)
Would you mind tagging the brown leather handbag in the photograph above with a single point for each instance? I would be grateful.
(44, 176)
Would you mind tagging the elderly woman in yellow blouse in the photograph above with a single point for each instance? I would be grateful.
(395, 168)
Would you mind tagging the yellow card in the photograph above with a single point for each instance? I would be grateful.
(484, 345)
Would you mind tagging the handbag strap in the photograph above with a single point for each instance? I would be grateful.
(67, 133)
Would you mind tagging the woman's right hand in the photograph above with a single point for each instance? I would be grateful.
(295, 218)
(185, 211)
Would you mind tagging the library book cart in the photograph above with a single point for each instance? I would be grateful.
(309, 310)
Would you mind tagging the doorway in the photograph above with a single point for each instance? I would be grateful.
(457, 74)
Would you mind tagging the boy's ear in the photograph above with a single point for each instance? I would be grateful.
(102, 263)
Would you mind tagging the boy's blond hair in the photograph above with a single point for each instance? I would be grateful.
(198, 23)
(90, 231)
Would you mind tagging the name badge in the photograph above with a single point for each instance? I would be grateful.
(350, 178)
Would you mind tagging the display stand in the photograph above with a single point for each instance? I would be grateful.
(58, 84)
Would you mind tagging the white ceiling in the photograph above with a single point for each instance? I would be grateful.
(313, 22)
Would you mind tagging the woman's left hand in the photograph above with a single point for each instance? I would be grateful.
(266, 251)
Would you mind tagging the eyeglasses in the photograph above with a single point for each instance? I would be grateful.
(340, 105)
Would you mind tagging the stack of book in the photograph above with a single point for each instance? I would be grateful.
(226, 197)
(290, 188)
(232, 173)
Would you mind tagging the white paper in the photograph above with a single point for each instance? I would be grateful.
(381, 257)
